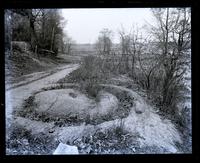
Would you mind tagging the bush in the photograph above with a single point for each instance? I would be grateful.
(91, 88)
(89, 75)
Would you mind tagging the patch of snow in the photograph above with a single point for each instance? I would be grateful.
(63, 149)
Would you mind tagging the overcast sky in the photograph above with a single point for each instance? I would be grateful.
(84, 25)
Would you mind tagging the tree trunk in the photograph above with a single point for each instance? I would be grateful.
(133, 64)
(8, 31)
(32, 28)
(52, 39)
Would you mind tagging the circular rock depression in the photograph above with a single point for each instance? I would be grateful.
(62, 102)
(68, 103)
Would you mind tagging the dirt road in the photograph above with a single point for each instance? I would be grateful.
(16, 96)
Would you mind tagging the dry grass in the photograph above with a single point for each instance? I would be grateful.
(22, 142)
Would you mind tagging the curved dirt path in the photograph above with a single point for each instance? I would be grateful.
(16, 96)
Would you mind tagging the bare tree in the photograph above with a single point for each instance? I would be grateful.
(173, 35)
(125, 44)
(68, 43)
(104, 43)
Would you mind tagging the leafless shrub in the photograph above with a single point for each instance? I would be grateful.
(89, 75)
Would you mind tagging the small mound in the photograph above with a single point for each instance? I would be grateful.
(62, 102)
(69, 107)
(153, 130)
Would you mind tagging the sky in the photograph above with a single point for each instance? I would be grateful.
(84, 25)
